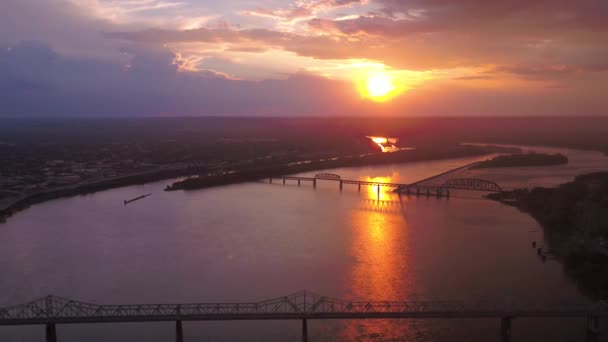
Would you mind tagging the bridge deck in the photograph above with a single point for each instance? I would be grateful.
(455, 184)
(301, 305)
(357, 182)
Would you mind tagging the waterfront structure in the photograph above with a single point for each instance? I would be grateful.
(52, 310)
(417, 188)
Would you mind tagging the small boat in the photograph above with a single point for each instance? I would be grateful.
(136, 198)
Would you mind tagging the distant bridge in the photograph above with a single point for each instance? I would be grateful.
(414, 188)
(53, 310)
(472, 184)
(328, 176)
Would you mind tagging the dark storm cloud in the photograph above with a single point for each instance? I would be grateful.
(35, 80)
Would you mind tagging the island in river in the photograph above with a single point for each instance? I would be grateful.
(526, 159)
(575, 221)
(261, 171)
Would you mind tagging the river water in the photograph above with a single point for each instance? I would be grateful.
(255, 241)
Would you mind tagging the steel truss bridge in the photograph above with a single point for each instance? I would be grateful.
(472, 184)
(53, 310)
(414, 188)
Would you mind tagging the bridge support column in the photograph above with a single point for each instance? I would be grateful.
(340, 185)
(179, 331)
(378, 192)
(314, 183)
(298, 182)
(283, 180)
(593, 328)
(505, 329)
(304, 331)
(51, 332)
(359, 187)
(270, 180)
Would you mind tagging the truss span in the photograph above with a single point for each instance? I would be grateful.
(472, 184)
(329, 176)
(300, 305)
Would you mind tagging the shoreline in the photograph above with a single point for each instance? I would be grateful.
(262, 172)
(571, 217)
(87, 188)
(272, 170)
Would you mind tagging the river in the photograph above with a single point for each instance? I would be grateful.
(255, 241)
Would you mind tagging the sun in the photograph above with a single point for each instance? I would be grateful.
(379, 85)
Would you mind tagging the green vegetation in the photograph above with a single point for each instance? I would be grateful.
(520, 160)
(575, 221)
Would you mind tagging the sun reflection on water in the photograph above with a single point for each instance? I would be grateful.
(385, 144)
(381, 268)
(380, 193)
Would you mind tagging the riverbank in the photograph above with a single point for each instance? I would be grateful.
(242, 173)
(575, 222)
(523, 160)
(91, 187)
(254, 173)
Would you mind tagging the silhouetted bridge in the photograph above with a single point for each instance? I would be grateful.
(473, 184)
(53, 310)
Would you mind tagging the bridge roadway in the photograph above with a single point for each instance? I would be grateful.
(417, 189)
(413, 188)
(303, 305)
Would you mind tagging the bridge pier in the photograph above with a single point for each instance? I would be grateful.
(51, 332)
(378, 191)
(179, 331)
(505, 329)
(340, 185)
(298, 181)
(304, 331)
(359, 187)
(270, 180)
(593, 328)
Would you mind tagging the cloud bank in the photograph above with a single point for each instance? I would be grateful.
(160, 57)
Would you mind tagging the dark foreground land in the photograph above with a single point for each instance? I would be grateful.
(522, 160)
(575, 220)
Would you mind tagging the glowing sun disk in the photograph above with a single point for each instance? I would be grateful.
(379, 85)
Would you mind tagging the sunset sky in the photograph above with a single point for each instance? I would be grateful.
(306, 57)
